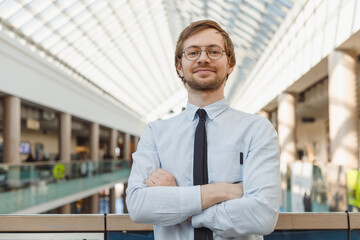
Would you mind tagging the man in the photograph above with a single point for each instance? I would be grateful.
(239, 198)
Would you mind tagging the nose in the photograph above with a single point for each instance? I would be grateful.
(203, 57)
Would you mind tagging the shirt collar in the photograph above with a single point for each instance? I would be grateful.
(212, 110)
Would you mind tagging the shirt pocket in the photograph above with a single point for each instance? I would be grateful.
(224, 163)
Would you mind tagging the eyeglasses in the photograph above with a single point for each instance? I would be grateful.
(213, 52)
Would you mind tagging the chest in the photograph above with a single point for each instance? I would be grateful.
(226, 153)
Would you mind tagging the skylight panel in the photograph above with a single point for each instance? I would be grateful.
(41, 34)
(38, 6)
(20, 18)
(58, 47)
(66, 29)
(58, 21)
(74, 35)
(82, 17)
(30, 27)
(97, 6)
(75, 9)
(9, 8)
(103, 13)
(90, 23)
(49, 13)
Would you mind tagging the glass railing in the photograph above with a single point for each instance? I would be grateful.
(28, 185)
(290, 226)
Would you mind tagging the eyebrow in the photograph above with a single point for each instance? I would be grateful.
(211, 45)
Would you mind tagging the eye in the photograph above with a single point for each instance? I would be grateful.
(214, 51)
(192, 52)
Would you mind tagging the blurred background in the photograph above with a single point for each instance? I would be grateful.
(79, 81)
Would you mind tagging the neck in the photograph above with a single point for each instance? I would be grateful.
(202, 99)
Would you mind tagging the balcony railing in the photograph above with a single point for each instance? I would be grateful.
(38, 187)
(290, 226)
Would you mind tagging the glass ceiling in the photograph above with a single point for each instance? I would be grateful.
(125, 49)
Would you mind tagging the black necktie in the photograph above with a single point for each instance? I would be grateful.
(200, 171)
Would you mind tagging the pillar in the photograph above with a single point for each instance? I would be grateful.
(286, 131)
(11, 129)
(112, 143)
(286, 128)
(94, 203)
(65, 137)
(94, 141)
(66, 209)
(94, 156)
(343, 109)
(112, 200)
(127, 153)
(343, 120)
(65, 149)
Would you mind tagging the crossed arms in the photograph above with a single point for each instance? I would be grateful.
(211, 194)
(229, 210)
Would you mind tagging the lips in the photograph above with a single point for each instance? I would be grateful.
(204, 70)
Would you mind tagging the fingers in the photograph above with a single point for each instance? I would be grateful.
(149, 183)
(160, 177)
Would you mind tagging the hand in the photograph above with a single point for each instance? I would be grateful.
(160, 177)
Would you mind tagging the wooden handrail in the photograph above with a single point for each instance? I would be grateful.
(116, 222)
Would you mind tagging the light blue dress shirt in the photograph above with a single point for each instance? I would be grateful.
(169, 144)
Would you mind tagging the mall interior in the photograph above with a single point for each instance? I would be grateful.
(80, 80)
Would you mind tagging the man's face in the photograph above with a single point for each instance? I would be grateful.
(205, 74)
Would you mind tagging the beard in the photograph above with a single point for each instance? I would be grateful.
(209, 85)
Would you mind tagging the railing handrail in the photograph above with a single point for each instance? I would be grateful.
(122, 222)
(53, 162)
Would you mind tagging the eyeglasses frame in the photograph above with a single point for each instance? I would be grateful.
(201, 50)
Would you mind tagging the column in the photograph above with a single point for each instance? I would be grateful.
(286, 131)
(65, 149)
(112, 199)
(94, 203)
(65, 137)
(286, 128)
(94, 156)
(127, 140)
(343, 121)
(127, 153)
(112, 143)
(343, 108)
(94, 141)
(66, 209)
(12, 129)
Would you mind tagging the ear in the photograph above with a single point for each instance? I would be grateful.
(230, 69)
(179, 69)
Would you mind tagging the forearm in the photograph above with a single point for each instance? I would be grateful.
(212, 194)
(246, 216)
(164, 206)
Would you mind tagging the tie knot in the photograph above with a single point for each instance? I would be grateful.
(202, 113)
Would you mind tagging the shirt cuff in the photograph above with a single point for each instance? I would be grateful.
(190, 201)
(205, 217)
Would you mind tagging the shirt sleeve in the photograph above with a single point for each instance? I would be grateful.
(257, 211)
(164, 206)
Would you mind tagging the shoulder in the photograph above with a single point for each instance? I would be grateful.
(238, 115)
(251, 122)
(160, 125)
